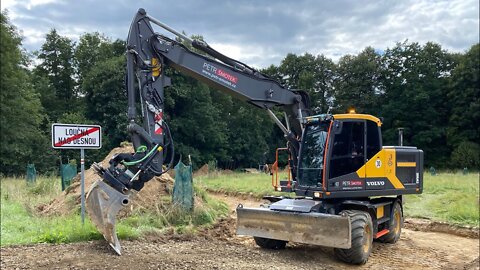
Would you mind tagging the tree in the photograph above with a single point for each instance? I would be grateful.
(415, 80)
(197, 125)
(21, 112)
(56, 55)
(464, 98)
(106, 101)
(358, 83)
(313, 74)
(91, 49)
(466, 155)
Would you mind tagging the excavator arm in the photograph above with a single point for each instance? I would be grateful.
(148, 56)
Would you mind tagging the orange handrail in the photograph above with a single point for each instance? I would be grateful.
(274, 170)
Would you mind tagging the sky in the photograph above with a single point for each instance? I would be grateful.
(261, 33)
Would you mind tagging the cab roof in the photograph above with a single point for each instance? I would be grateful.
(343, 116)
(358, 116)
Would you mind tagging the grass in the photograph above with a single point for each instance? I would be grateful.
(20, 223)
(453, 198)
(254, 184)
(447, 197)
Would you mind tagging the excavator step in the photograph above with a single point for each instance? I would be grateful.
(381, 233)
(284, 187)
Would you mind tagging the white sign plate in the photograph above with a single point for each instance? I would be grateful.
(73, 136)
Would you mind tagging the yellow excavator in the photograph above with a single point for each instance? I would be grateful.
(349, 187)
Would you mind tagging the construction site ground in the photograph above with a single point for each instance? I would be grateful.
(220, 248)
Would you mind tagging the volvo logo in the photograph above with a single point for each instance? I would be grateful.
(376, 183)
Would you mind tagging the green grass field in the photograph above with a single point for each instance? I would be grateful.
(21, 224)
(453, 198)
(255, 184)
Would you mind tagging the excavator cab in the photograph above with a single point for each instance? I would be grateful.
(342, 156)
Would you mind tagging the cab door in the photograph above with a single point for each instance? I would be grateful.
(377, 160)
(348, 154)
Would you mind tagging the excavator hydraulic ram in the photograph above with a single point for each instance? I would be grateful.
(309, 228)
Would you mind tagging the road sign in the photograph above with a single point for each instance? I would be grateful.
(73, 136)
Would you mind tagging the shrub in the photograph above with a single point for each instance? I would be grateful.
(467, 154)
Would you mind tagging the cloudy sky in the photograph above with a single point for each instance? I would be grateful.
(261, 33)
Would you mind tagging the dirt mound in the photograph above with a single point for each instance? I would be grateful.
(425, 225)
(69, 200)
(223, 229)
(202, 171)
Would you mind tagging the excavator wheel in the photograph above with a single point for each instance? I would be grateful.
(362, 238)
(395, 225)
(270, 243)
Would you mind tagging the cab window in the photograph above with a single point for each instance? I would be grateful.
(348, 151)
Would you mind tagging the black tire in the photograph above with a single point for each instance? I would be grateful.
(270, 243)
(394, 225)
(362, 238)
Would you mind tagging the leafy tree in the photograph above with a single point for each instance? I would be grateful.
(56, 55)
(197, 126)
(21, 113)
(358, 84)
(93, 48)
(106, 102)
(467, 154)
(464, 97)
(314, 74)
(415, 80)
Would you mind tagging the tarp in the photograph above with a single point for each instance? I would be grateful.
(183, 188)
(31, 173)
(67, 171)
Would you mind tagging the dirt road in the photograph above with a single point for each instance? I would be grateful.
(219, 248)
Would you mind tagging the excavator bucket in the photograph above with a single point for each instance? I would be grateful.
(309, 228)
(103, 205)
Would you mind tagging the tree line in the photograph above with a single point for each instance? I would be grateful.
(432, 93)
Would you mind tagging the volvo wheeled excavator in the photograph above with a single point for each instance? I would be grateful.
(348, 187)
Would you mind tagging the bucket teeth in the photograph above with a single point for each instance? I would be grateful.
(103, 204)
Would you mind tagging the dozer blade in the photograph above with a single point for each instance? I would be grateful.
(103, 205)
(309, 228)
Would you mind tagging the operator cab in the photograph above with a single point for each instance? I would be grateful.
(334, 148)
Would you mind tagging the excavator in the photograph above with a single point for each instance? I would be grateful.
(348, 187)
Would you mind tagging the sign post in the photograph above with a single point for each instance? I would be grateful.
(73, 136)
(82, 182)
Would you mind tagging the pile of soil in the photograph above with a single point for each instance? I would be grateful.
(202, 171)
(69, 200)
(425, 225)
(224, 229)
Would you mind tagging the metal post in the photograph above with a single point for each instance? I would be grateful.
(400, 136)
(82, 182)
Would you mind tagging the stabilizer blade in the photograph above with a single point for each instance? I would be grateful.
(309, 228)
(103, 205)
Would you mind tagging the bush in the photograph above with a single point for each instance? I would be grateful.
(467, 154)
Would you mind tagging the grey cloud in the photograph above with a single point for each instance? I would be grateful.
(265, 31)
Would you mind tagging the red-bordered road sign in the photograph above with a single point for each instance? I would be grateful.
(73, 136)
